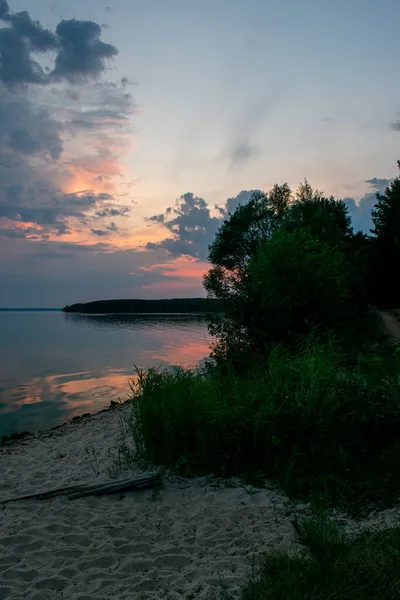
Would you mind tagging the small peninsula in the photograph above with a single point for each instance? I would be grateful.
(171, 305)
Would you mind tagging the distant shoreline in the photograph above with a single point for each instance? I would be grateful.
(138, 306)
(30, 309)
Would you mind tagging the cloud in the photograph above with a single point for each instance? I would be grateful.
(112, 228)
(34, 165)
(242, 153)
(39, 39)
(82, 54)
(192, 226)
(395, 125)
(241, 148)
(16, 64)
(26, 129)
(112, 212)
(361, 212)
(241, 199)
(60, 146)
(79, 52)
(379, 184)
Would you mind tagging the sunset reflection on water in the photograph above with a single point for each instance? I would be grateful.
(81, 363)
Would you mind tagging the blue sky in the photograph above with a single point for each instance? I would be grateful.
(225, 96)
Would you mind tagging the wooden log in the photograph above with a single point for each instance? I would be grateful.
(140, 482)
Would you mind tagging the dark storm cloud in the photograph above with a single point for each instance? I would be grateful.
(39, 39)
(82, 53)
(16, 64)
(79, 51)
(192, 226)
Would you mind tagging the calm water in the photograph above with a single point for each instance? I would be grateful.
(54, 366)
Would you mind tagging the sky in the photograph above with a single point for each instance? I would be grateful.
(129, 129)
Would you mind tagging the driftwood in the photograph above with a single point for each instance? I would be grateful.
(140, 482)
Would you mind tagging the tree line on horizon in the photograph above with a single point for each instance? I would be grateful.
(171, 305)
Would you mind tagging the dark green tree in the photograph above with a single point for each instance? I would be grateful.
(385, 247)
(281, 265)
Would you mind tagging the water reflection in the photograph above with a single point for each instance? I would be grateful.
(74, 364)
(133, 321)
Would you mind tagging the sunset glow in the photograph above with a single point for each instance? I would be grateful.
(119, 159)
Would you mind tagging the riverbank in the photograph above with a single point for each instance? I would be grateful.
(190, 537)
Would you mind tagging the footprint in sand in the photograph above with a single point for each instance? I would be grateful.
(102, 562)
(20, 574)
(172, 560)
(14, 540)
(52, 583)
(133, 566)
(70, 553)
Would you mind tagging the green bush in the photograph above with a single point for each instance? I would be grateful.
(331, 566)
(301, 416)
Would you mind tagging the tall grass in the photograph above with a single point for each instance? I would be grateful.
(303, 417)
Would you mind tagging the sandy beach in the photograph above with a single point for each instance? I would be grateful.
(182, 541)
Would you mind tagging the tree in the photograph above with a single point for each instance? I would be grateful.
(385, 247)
(281, 265)
(386, 215)
(293, 283)
(238, 238)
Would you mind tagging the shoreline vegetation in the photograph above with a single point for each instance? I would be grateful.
(139, 306)
(296, 412)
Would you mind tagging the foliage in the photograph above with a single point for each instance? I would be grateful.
(238, 238)
(385, 247)
(282, 265)
(330, 565)
(293, 283)
(302, 417)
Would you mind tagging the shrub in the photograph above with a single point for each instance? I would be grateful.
(331, 565)
(301, 416)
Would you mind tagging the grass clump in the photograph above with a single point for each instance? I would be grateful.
(302, 416)
(330, 565)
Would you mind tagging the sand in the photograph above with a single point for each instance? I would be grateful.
(182, 541)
